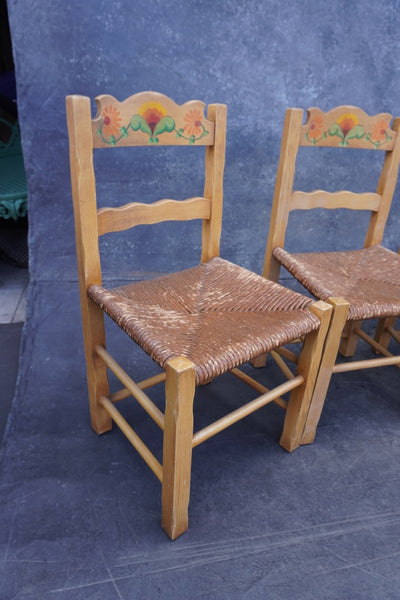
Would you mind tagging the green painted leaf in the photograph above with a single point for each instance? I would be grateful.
(164, 124)
(335, 130)
(357, 132)
(138, 122)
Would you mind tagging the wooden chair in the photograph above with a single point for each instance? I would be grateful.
(360, 284)
(195, 324)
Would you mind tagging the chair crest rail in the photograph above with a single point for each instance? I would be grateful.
(347, 126)
(150, 118)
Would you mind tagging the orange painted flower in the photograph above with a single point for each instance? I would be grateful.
(152, 112)
(347, 122)
(112, 121)
(315, 129)
(193, 122)
(379, 131)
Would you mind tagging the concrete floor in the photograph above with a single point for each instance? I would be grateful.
(13, 290)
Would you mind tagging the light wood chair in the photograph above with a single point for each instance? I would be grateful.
(195, 324)
(360, 284)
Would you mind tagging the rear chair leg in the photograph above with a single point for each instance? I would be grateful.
(177, 450)
(349, 342)
(382, 336)
(259, 361)
(94, 335)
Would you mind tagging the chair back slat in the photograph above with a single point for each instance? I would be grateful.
(347, 126)
(332, 200)
(127, 216)
(150, 118)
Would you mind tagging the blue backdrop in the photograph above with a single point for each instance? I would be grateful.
(258, 57)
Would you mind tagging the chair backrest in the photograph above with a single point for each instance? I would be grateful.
(144, 119)
(341, 127)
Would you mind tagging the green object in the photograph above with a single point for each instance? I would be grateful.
(13, 188)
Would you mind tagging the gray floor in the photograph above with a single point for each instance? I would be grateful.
(80, 514)
(13, 291)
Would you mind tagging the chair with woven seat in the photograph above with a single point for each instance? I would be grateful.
(360, 284)
(195, 324)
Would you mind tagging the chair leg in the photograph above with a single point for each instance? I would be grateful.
(349, 342)
(382, 336)
(259, 361)
(94, 335)
(177, 450)
(308, 367)
(340, 311)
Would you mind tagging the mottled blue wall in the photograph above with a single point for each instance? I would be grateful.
(258, 57)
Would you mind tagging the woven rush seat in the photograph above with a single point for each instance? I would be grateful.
(218, 315)
(368, 278)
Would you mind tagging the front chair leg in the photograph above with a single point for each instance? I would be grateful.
(308, 366)
(177, 449)
(338, 321)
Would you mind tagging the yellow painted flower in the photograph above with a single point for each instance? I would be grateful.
(347, 122)
(152, 112)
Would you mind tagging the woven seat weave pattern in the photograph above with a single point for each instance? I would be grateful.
(368, 279)
(218, 315)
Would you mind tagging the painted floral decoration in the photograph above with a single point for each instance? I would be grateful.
(347, 127)
(112, 121)
(315, 130)
(152, 119)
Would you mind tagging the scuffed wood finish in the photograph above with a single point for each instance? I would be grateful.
(347, 126)
(177, 449)
(89, 271)
(137, 213)
(213, 188)
(150, 118)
